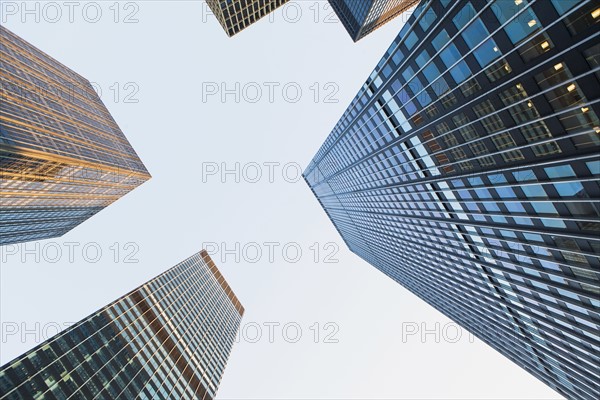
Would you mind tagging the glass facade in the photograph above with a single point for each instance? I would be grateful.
(361, 17)
(235, 15)
(467, 170)
(62, 156)
(168, 339)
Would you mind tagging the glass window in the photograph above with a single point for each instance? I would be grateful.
(503, 141)
(497, 178)
(524, 176)
(422, 58)
(491, 121)
(410, 40)
(470, 87)
(439, 85)
(534, 191)
(408, 73)
(520, 27)
(449, 57)
(514, 207)
(561, 171)
(594, 167)
(568, 189)
(398, 57)
(506, 193)
(464, 16)
(584, 18)
(562, 6)
(476, 35)
(498, 70)
(544, 208)
(440, 40)
(553, 223)
(428, 18)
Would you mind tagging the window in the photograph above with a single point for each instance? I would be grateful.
(561, 171)
(568, 189)
(534, 191)
(498, 70)
(450, 56)
(525, 111)
(476, 36)
(448, 100)
(438, 84)
(584, 18)
(491, 121)
(470, 87)
(562, 6)
(428, 18)
(565, 95)
(535, 47)
(520, 27)
(410, 40)
(467, 131)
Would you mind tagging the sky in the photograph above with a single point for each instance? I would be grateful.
(225, 126)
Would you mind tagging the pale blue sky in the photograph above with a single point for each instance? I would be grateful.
(171, 54)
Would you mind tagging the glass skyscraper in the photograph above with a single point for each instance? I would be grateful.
(361, 17)
(168, 339)
(235, 15)
(467, 169)
(63, 158)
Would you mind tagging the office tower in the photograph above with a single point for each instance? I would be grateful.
(168, 339)
(62, 156)
(467, 169)
(235, 15)
(361, 17)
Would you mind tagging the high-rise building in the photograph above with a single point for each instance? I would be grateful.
(467, 170)
(168, 339)
(235, 15)
(62, 156)
(361, 17)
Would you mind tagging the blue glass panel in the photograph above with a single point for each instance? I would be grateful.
(568, 189)
(594, 167)
(475, 34)
(506, 192)
(422, 58)
(553, 223)
(544, 208)
(398, 57)
(561, 171)
(461, 72)
(562, 6)
(464, 16)
(440, 40)
(427, 19)
(497, 178)
(520, 27)
(411, 40)
(515, 207)
(533, 191)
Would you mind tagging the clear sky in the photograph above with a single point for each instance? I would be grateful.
(161, 76)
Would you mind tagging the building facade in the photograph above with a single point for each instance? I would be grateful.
(361, 17)
(168, 339)
(467, 170)
(63, 157)
(236, 15)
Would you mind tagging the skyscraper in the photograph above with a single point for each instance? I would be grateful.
(361, 17)
(168, 339)
(235, 15)
(466, 169)
(62, 156)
